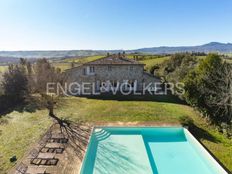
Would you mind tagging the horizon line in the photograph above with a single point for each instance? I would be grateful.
(121, 49)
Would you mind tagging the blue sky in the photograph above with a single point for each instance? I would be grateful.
(112, 24)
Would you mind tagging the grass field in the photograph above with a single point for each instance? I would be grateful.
(229, 60)
(17, 132)
(62, 65)
(66, 63)
(84, 60)
(150, 62)
(3, 68)
(23, 129)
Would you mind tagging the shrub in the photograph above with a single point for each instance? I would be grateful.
(186, 121)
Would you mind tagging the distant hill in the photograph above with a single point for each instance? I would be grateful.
(5, 56)
(48, 54)
(210, 47)
(6, 60)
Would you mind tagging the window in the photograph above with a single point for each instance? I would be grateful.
(84, 71)
(91, 69)
(131, 68)
(115, 84)
(131, 83)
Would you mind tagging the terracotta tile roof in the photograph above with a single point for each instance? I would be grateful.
(114, 60)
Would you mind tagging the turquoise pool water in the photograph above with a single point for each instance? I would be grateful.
(147, 151)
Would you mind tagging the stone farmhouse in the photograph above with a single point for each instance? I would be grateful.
(113, 72)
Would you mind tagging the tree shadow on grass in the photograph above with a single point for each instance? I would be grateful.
(202, 134)
(8, 105)
(146, 97)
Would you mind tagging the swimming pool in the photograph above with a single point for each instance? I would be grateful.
(116, 150)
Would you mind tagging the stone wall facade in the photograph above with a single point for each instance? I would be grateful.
(102, 75)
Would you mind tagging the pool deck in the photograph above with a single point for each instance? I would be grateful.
(70, 160)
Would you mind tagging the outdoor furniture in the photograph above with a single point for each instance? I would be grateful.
(59, 150)
(52, 150)
(45, 159)
(58, 138)
(53, 161)
(46, 156)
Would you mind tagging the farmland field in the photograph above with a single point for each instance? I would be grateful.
(150, 62)
(3, 68)
(84, 59)
(62, 65)
(67, 63)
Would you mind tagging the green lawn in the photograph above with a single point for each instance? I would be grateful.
(128, 109)
(23, 129)
(17, 132)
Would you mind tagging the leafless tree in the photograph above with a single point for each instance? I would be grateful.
(219, 92)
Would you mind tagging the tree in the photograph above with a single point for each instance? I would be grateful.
(15, 83)
(209, 87)
(219, 93)
(177, 67)
(45, 73)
